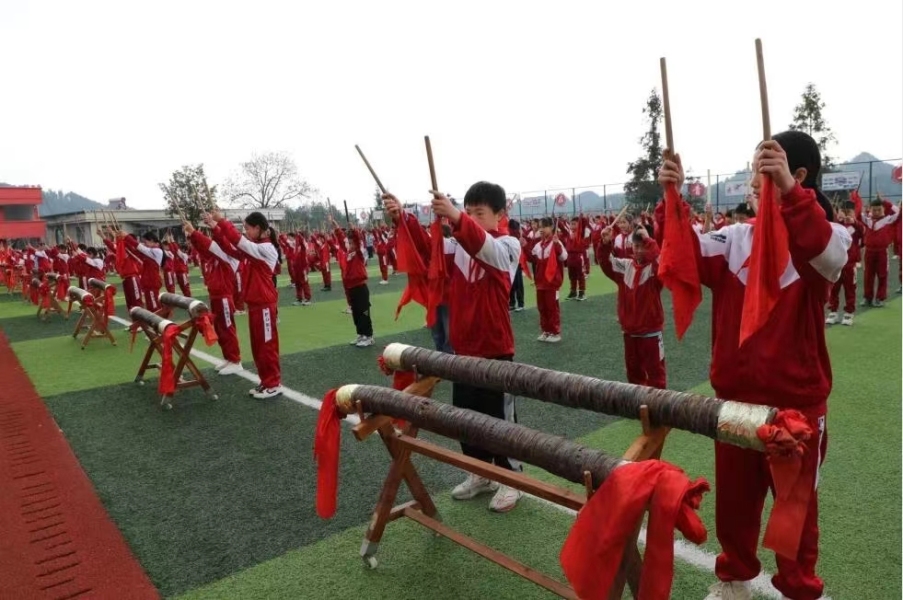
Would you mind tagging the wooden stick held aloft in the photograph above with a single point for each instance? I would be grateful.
(763, 91)
(379, 184)
(429, 158)
(666, 106)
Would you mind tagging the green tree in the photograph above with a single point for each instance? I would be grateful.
(378, 198)
(187, 193)
(807, 117)
(643, 188)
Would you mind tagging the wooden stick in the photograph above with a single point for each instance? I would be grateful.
(372, 172)
(666, 106)
(429, 158)
(763, 92)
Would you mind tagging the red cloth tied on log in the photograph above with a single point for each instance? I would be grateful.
(44, 294)
(785, 444)
(327, 440)
(767, 262)
(108, 303)
(205, 326)
(677, 268)
(593, 550)
(167, 385)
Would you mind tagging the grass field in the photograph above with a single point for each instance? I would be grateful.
(216, 498)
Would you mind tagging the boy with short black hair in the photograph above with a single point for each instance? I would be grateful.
(847, 219)
(880, 232)
(485, 260)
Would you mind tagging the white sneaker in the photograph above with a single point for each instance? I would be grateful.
(356, 341)
(305, 303)
(297, 303)
(730, 590)
(543, 337)
(847, 319)
(364, 342)
(347, 311)
(472, 487)
(239, 313)
(519, 309)
(231, 369)
(220, 366)
(256, 390)
(266, 394)
(832, 319)
(553, 338)
(505, 499)
(384, 282)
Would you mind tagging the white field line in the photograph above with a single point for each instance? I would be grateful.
(689, 553)
(289, 393)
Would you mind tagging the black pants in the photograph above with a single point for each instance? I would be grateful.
(492, 403)
(360, 309)
(517, 289)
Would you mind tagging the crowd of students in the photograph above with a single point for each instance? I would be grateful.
(486, 258)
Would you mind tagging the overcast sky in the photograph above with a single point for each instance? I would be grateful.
(105, 98)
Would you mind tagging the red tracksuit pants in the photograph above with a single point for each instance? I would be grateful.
(383, 266)
(151, 299)
(224, 325)
(169, 281)
(327, 277)
(645, 360)
(742, 479)
(875, 267)
(265, 343)
(239, 296)
(184, 284)
(131, 289)
(847, 281)
(302, 284)
(549, 311)
(62, 288)
(577, 277)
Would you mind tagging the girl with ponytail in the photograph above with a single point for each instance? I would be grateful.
(260, 246)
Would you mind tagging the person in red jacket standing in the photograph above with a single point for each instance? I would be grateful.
(219, 277)
(485, 261)
(880, 231)
(180, 259)
(784, 363)
(60, 258)
(352, 260)
(576, 241)
(259, 245)
(127, 265)
(169, 265)
(382, 250)
(847, 279)
(299, 267)
(549, 257)
(151, 256)
(640, 309)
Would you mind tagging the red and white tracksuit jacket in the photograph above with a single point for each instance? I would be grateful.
(547, 290)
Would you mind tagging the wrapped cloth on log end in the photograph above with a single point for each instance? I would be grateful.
(76, 294)
(108, 290)
(52, 276)
(593, 551)
(197, 310)
(735, 423)
(168, 331)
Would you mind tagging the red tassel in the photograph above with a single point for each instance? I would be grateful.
(785, 443)
(205, 326)
(327, 439)
(677, 265)
(167, 385)
(593, 550)
(767, 263)
(383, 367)
(109, 305)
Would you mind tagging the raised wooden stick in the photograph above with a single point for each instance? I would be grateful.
(372, 172)
(666, 106)
(429, 158)
(763, 91)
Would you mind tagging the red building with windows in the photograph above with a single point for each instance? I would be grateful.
(19, 217)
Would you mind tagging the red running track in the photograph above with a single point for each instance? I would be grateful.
(56, 540)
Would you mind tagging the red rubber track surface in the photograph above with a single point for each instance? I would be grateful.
(56, 540)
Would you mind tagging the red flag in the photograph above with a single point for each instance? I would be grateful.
(677, 261)
(857, 202)
(592, 552)
(412, 256)
(767, 262)
(524, 267)
(327, 439)
(552, 263)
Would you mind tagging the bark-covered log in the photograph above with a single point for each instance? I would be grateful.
(195, 307)
(76, 294)
(155, 322)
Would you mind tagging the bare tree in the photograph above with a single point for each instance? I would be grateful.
(268, 180)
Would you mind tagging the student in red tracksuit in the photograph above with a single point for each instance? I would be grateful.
(259, 245)
(150, 254)
(169, 265)
(179, 255)
(77, 254)
(549, 248)
(622, 241)
(576, 239)
(485, 261)
(784, 364)
(847, 280)
(299, 268)
(640, 309)
(128, 266)
(60, 259)
(219, 277)
(382, 251)
(288, 251)
(354, 279)
(94, 267)
(323, 254)
(880, 231)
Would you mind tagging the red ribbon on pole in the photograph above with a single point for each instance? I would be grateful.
(167, 385)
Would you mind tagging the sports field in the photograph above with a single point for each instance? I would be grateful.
(216, 498)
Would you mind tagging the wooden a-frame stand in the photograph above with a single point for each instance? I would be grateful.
(421, 509)
(183, 352)
(94, 319)
(44, 313)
